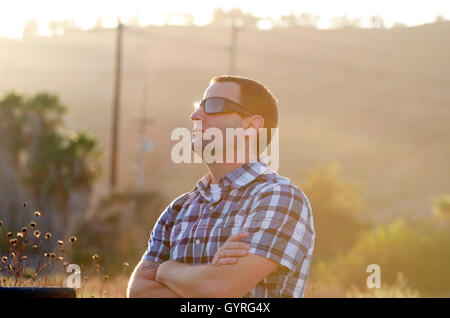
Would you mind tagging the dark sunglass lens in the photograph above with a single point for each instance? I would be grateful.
(214, 105)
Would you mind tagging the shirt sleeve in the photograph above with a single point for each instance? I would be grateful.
(158, 249)
(280, 226)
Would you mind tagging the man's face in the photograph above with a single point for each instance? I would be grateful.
(229, 90)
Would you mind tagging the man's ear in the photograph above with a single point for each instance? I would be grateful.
(256, 122)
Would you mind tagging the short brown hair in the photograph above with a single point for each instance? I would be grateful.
(256, 98)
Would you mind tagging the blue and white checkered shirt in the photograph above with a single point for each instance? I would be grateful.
(276, 213)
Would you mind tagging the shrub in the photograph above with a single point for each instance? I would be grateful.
(420, 251)
(336, 205)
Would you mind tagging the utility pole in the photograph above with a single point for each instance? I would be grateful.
(235, 26)
(144, 145)
(116, 108)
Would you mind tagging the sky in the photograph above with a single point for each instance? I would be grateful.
(15, 13)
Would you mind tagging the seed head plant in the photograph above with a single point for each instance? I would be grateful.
(31, 262)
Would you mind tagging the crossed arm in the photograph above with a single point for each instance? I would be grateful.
(142, 283)
(172, 279)
(208, 281)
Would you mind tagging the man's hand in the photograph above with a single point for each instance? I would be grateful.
(229, 253)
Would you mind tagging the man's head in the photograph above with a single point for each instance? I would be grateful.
(254, 97)
(250, 95)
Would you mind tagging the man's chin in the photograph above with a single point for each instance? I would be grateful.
(199, 146)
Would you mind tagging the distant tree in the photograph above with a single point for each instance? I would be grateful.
(219, 17)
(188, 19)
(248, 20)
(56, 28)
(308, 20)
(62, 27)
(439, 18)
(99, 24)
(340, 22)
(288, 21)
(345, 22)
(68, 25)
(336, 205)
(47, 165)
(31, 29)
(134, 21)
(377, 22)
(227, 18)
(169, 19)
(292, 20)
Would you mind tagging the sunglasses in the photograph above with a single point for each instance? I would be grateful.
(217, 105)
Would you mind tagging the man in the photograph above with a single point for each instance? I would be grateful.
(243, 231)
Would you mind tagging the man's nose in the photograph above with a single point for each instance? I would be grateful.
(198, 114)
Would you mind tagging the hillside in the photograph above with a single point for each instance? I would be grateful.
(377, 101)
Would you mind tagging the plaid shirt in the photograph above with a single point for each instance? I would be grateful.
(255, 199)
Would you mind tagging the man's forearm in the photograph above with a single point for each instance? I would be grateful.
(188, 280)
(142, 287)
(142, 282)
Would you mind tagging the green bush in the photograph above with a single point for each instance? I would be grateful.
(398, 290)
(441, 207)
(420, 251)
(337, 205)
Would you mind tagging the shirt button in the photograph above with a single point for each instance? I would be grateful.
(197, 241)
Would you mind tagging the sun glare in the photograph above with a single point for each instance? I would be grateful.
(87, 14)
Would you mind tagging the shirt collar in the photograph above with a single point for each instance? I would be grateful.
(237, 178)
